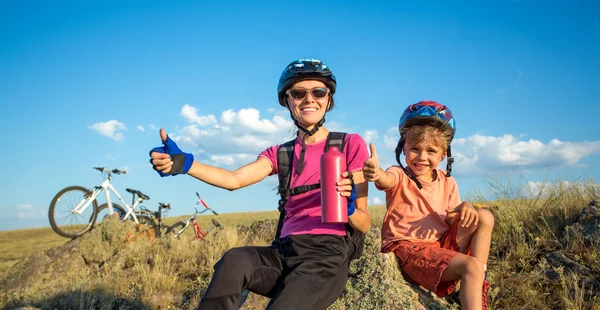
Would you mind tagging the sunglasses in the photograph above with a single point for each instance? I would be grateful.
(299, 94)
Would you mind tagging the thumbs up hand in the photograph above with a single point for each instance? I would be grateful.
(169, 159)
(371, 167)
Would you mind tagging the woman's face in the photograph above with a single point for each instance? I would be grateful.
(308, 101)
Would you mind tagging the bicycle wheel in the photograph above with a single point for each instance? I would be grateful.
(149, 223)
(104, 212)
(175, 228)
(63, 220)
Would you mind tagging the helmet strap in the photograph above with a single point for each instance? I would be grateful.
(449, 163)
(307, 134)
(398, 152)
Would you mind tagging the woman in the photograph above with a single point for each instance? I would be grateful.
(306, 266)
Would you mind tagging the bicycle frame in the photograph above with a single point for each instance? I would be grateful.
(200, 234)
(107, 187)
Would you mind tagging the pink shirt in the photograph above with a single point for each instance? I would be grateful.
(303, 212)
(415, 214)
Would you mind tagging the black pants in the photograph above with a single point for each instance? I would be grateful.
(296, 272)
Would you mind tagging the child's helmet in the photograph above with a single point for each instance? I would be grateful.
(304, 69)
(426, 113)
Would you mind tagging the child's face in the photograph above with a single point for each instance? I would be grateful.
(423, 157)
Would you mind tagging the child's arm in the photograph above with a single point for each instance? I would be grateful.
(373, 173)
(465, 212)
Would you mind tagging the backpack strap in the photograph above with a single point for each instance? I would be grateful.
(285, 159)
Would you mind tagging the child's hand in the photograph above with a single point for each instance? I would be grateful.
(468, 215)
(371, 166)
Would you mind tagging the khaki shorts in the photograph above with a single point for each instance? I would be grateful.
(423, 263)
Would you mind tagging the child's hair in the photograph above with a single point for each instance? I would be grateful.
(441, 135)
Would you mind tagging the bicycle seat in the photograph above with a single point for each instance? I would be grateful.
(216, 224)
(136, 192)
(164, 205)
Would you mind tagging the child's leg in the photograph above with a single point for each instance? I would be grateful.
(470, 272)
(477, 238)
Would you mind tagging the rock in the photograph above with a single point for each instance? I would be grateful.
(375, 283)
(587, 225)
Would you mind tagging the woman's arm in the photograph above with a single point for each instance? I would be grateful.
(360, 220)
(232, 180)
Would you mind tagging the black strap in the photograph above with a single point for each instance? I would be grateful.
(449, 162)
(285, 159)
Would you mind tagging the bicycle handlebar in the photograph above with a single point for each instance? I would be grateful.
(204, 204)
(115, 171)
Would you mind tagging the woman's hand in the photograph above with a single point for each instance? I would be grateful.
(169, 159)
(345, 185)
(347, 188)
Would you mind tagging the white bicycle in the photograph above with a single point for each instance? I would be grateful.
(74, 210)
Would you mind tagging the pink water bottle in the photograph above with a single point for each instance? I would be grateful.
(334, 208)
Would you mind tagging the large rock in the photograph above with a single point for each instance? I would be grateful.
(375, 283)
(587, 225)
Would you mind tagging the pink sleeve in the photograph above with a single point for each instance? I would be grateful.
(271, 154)
(356, 152)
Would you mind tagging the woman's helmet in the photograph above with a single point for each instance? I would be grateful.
(426, 113)
(300, 70)
(304, 69)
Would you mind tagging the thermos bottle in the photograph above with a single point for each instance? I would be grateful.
(334, 206)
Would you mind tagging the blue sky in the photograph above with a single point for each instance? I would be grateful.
(86, 84)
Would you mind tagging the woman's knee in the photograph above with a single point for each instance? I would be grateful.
(235, 259)
(486, 218)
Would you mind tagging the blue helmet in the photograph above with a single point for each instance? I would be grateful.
(427, 112)
(304, 69)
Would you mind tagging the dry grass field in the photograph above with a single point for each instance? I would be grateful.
(525, 230)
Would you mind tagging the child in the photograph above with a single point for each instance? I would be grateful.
(437, 238)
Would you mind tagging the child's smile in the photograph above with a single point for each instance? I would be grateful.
(423, 157)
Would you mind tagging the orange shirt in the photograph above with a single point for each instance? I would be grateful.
(415, 214)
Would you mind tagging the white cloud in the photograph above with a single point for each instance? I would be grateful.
(377, 201)
(250, 119)
(24, 207)
(230, 139)
(26, 211)
(370, 135)
(191, 114)
(390, 138)
(236, 137)
(140, 128)
(480, 154)
(110, 129)
(232, 159)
